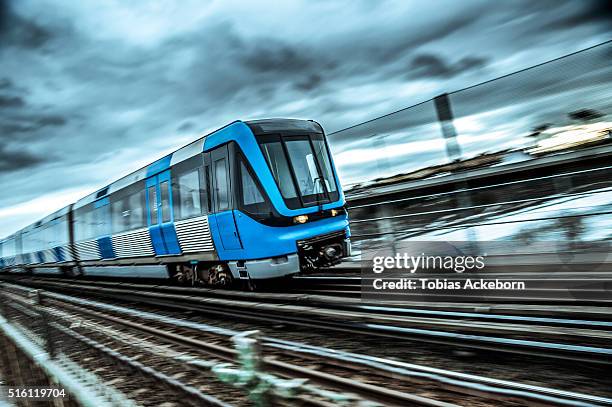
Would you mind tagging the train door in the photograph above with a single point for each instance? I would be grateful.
(222, 198)
(160, 216)
(102, 222)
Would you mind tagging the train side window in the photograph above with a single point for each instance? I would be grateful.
(189, 194)
(152, 193)
(119, 215)
(89, 230)
(96, 223)
(51, 235)
(102, 221)
(251, 195)
(127, 209)
(165, 201)
(136, 208)
(221, 185)
(79, 225)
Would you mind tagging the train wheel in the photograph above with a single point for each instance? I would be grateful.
(184, 275)
(220, 276)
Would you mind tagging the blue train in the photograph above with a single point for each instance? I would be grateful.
(253, 200)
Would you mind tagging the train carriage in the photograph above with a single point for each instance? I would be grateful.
(43, 247)
(252, 200)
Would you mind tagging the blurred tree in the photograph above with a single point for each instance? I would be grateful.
(526, 235)
(537, 130)
(584, 115)
(573, 227)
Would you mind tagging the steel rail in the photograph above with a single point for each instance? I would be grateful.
(85, 394)
(548, 320)
(550, 289)
(287, 314)
(190, 391)
(322, 298)
(223, 353)
(481, 385)
(366, 390)
(448, 376)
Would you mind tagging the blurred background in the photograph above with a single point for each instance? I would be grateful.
(523, 157)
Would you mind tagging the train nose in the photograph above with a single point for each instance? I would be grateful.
(322, 251)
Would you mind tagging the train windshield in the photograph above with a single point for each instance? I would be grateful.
(302, 168)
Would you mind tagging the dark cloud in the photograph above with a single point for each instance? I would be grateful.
(309, 83)
(26, 127)
(9, 130)
(341, 58)
(186, 126)
(51, 120)
(15, 30)
(401, 43)
(591, 11)
(434, 66)
(4, 11)
(15, 160)
(5, 83)
(11, 101)
(275, 56)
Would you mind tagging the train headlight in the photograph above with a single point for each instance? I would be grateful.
(335, 212)
(300, 219)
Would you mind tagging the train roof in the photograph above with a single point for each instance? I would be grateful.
(263, 126)
(179, 155)
(259, 126)
(194, 148)
(55, 215)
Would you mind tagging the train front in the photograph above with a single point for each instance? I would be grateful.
(291, 215)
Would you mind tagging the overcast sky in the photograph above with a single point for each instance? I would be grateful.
(92, 90)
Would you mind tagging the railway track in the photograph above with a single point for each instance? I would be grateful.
(88, 322)
(137, 341)
(567, 338)
(559, 287)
